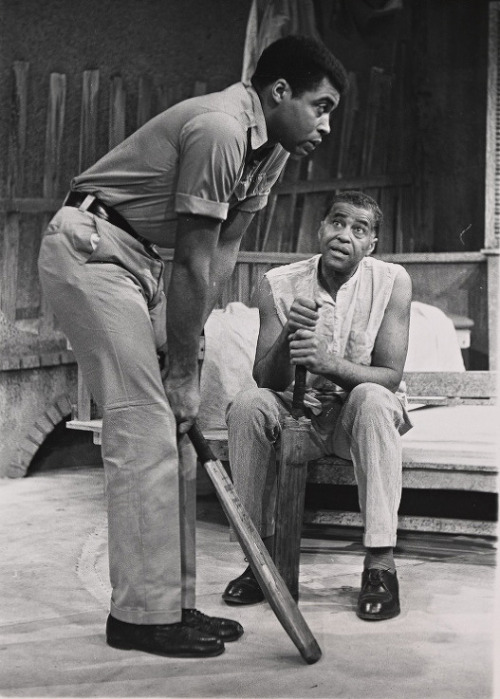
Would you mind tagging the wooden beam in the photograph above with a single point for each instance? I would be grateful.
(88, 119)
(451, 384)
(52, 170)
(117, 102)
(144, 100)
(15, 184)
(306, 187)
(492, 184)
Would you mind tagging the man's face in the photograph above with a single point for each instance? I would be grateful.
(346, 236)
(302, 122)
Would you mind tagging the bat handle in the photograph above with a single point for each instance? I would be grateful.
(299, 390)
(200, 444)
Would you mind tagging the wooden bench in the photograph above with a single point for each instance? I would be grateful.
(448, 462)
(452, 446)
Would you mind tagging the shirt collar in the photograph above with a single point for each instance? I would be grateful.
(256, 119)
(321, 291)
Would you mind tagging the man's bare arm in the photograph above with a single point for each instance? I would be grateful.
(223, 263)
(204, 258)
(389, 352)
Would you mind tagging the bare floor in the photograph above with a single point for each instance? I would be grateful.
(54, 601)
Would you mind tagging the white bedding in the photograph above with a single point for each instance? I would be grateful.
(231, 338)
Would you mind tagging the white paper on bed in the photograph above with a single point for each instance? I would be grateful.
(231, 339)
(230, 342)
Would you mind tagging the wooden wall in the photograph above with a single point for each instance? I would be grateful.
(457, 283)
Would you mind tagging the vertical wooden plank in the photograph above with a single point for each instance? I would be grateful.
(88, 119)
(52, 168)
(244, 283)
(87, 156)
(280, 224)
(144, 100)
(372, 109)
(351, 106)
(117, 102)
(54, 135)
(492, 188)
(493, 273)
(200, 88)
(15, 184)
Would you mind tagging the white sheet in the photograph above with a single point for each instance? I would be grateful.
(231, 339)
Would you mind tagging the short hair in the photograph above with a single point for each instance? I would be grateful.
(302, 61)
(363, 201)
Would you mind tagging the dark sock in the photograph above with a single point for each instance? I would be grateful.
(381, 558)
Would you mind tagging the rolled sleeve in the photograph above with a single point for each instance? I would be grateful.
(212, 151)
(189, 204)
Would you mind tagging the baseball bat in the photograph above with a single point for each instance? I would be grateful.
(270, 581)
(299, 391)
(291, 481)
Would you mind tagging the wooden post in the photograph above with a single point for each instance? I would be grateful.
(15, 184)
(292, 476)
(144, 100)
(117, 97)
(88, 119)
(87, 155)
(52, 169)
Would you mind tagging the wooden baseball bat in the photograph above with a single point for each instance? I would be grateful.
(292, 475)
(270, 581)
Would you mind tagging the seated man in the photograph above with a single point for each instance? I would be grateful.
(344, 316)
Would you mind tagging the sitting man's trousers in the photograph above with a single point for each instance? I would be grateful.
(106, 290)
(365, 429)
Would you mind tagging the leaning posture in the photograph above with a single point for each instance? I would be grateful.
(192, 177)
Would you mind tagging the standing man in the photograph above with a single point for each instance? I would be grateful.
(200, 170)
(345, 317)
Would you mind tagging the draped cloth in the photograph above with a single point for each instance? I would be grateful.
(270, 20)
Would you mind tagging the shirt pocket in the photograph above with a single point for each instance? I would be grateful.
(251, 186)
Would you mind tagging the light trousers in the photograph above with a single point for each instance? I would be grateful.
(365, 429)
(106, 291)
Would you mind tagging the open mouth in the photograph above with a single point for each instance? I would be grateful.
(338, 252)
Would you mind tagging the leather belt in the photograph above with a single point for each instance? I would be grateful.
(88, 202)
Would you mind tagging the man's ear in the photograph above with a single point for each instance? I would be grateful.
(372, 246)
(280, 89)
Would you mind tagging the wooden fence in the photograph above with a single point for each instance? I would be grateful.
(357, 156)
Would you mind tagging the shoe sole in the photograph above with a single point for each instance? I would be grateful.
(126, 646)
(379, 617)
(238, 603)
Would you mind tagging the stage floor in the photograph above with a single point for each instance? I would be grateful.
(54, 601)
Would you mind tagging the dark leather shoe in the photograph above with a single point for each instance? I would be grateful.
(243, 590)
(226, 629)
(379, 595)
(176, 640)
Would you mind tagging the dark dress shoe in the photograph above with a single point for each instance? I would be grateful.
(379, 595)
(226, 629)
(176, 640)
(243, 590)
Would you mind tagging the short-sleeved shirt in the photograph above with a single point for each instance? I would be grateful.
(194, 158)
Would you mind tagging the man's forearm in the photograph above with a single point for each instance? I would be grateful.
(187, 297)
(347, 374)
(274, 370)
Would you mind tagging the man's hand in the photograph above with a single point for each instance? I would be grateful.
(311, 351)
(183, 394)
(303, 315)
